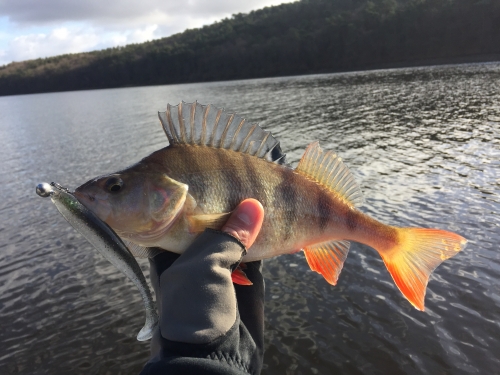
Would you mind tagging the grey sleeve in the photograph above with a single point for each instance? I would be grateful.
(198, 302)
(207, 324)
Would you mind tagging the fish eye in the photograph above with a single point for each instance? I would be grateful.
(114, 184)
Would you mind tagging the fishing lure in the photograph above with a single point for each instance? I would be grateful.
(105, 240)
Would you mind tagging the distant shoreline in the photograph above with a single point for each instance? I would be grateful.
(431, 62)
(299, 38)
(397, 65)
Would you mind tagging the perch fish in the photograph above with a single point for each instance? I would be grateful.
(102, 237)
(215, 159)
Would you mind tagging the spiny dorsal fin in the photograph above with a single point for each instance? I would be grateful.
(327, 258)
(206, 125)
(328, 169)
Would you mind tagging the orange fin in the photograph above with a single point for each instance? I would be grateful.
(418, 252)
(239, 277)
(198, 223)
(327, 258)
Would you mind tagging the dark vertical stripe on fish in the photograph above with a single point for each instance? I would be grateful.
(324, 212)
(351, 220)
(286, 197)
(200, 187)
(232, 182)
(255, 181)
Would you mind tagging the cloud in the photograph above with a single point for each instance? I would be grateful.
(67, 40)
(31, 29)
(60, 40)
(97, 11)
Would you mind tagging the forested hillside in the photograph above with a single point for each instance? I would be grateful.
(309, 36)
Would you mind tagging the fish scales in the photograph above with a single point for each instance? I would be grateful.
(216, 159)
(221, 179)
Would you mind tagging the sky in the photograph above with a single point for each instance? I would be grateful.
(30, 29)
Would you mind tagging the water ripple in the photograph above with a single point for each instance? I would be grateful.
(424, 144)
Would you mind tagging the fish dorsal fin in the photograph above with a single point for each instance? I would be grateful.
(327, 169)
(327, 258)
(207, 125)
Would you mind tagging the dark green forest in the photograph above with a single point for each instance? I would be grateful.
(308, 36)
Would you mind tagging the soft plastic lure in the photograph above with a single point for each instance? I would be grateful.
(105, 240)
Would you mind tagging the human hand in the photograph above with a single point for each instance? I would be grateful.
(195, 295)
(207, 324)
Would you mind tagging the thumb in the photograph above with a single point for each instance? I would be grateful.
(245, 222)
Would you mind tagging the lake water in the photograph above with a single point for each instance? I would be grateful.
(424, 143)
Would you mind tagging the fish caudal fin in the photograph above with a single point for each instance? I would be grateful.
(418, 252)
(327, 259)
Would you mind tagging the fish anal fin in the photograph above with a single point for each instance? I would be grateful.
(327, 169)
(209, 126)
(417, 253)
(239, 277)
(327, 258)
(198, 223)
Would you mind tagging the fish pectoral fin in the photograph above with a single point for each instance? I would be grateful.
(198, 223)
(240, 277)
(327, 258)
(416, 254)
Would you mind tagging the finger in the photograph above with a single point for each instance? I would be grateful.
(245, 222)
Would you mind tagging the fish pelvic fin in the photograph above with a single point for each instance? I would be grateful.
(206, 125)
(327, 258)
(418, 252)
(141, 251)
(240, 277)
(328, 170)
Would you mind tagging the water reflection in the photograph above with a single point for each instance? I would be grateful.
(422, 142)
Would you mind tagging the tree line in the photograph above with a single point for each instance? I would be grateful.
(308, 36)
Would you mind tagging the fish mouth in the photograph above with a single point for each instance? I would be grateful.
(83, 197)
(95, 204)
